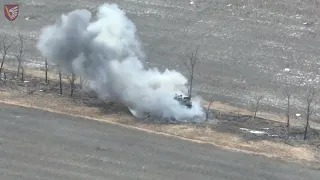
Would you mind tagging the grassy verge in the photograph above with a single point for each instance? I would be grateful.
(221, 132)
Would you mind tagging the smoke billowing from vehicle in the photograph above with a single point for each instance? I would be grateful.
(106, 51)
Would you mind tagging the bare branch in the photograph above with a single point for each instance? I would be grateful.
(72, 80)
(287, 93)
(310, 95)
(257, 105)
(311, 92)
(20, 52)
(5, 45)
(190, 60)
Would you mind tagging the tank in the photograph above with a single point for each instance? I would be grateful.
(184, 101)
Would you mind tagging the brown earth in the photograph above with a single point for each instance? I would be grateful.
(33, 92)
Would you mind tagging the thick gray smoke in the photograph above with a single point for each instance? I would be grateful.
(106, 53)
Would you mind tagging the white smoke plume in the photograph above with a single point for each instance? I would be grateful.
(106, 52)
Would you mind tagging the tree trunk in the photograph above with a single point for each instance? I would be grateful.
(5, 77)
(18, 70)
(288, 112)
(22, 74)
(306, 130)
(191, 84)
(72, 89)
(2, 62)
(60, 81)
(255, 111)
(71, 94)
(307, 124)
(46, 65)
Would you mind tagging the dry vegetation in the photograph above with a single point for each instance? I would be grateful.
(225, 126)
(34, 92)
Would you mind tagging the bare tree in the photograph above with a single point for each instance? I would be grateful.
(46, 69)
(287, 93)
(256, 106)
(72, 80)
(60, 80)
(311, 92)
(190, 60)
(5, 46)
(20, 53)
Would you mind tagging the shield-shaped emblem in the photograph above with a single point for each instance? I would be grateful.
(11, 11)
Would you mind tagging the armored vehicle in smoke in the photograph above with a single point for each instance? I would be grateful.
(184, 101)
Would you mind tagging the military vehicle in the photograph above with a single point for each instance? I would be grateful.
(184, 101)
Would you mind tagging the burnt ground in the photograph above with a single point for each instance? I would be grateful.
(237, 124)
(263, 129)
